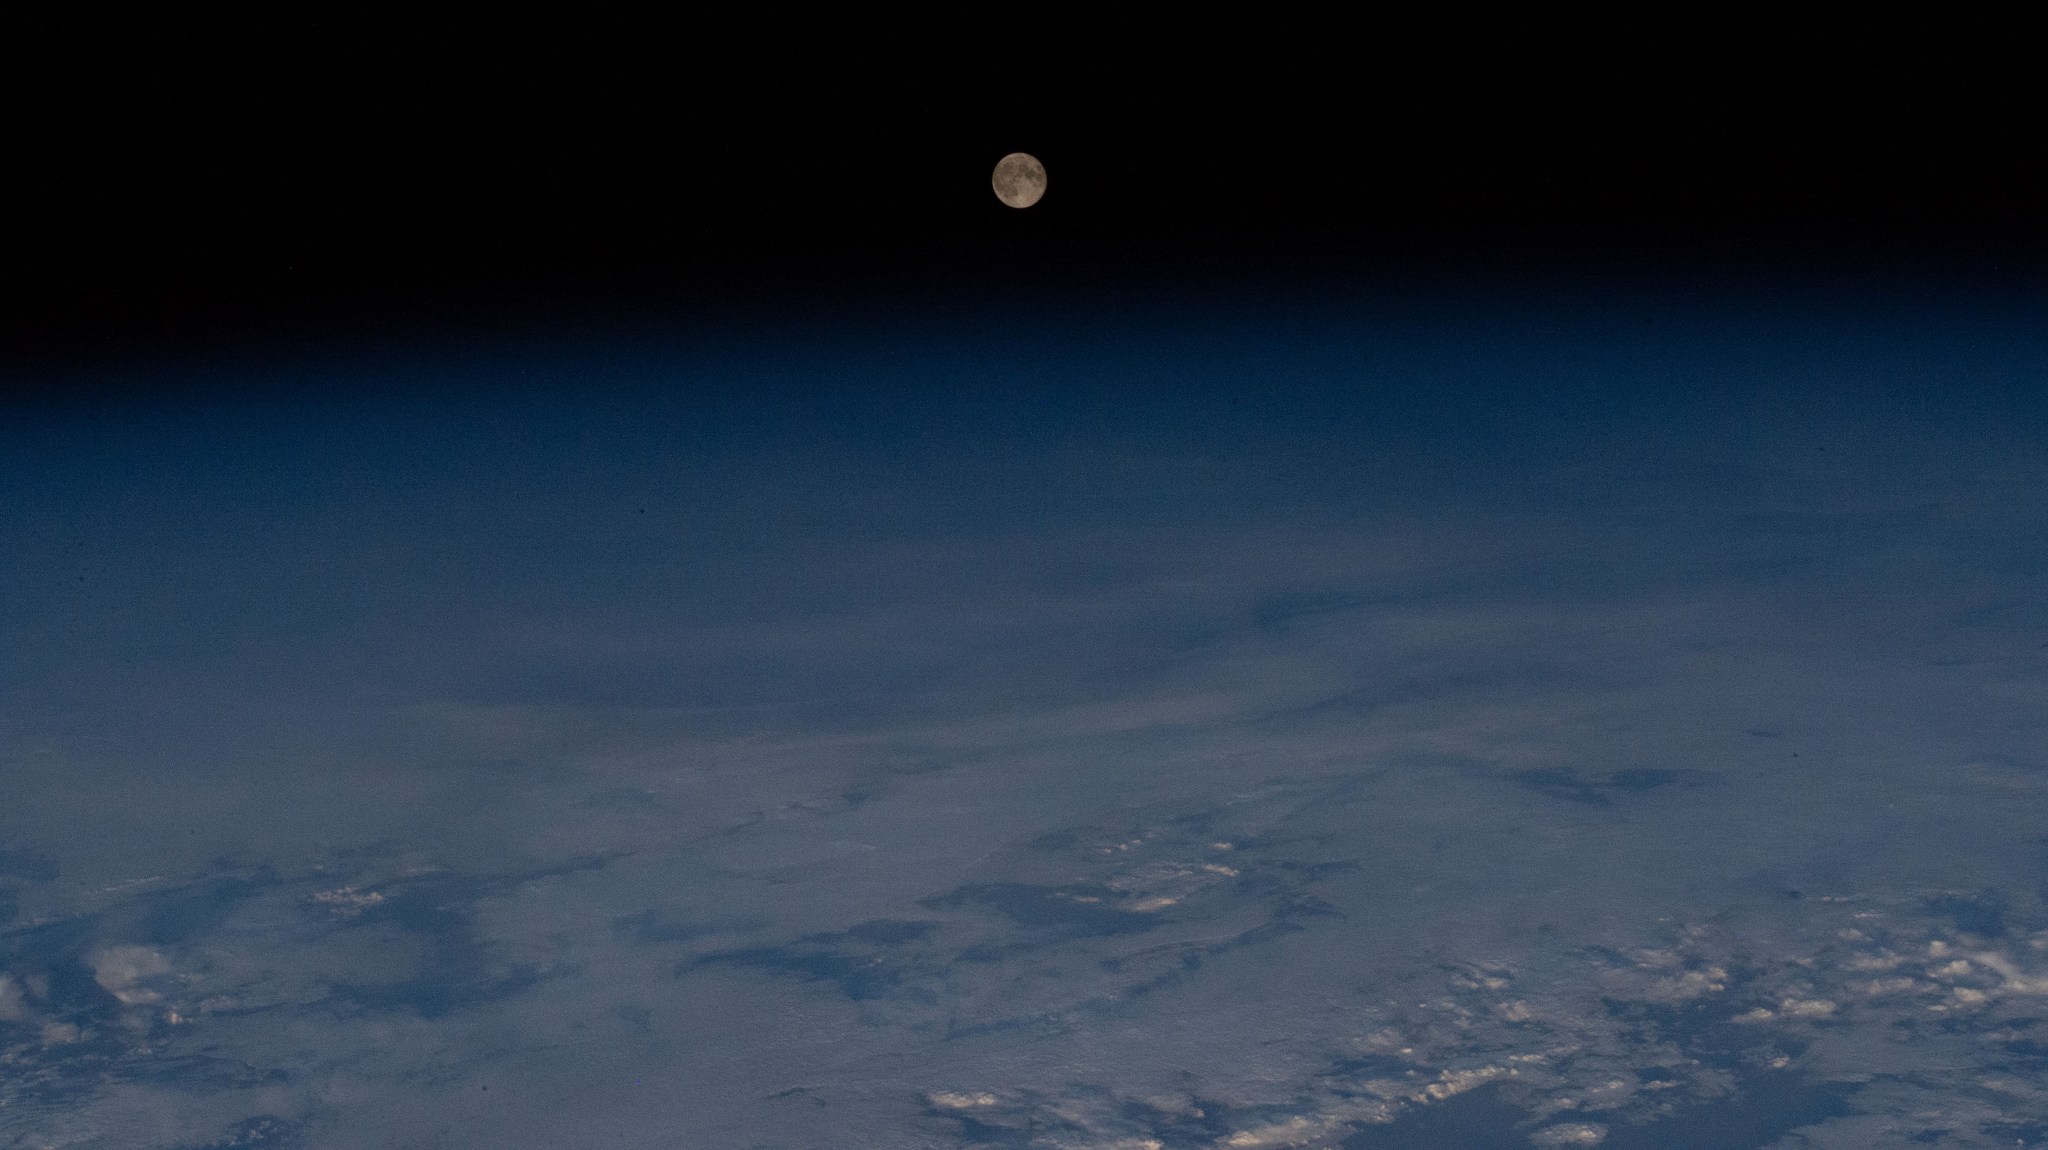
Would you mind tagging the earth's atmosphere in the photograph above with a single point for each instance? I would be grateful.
(1477, 725)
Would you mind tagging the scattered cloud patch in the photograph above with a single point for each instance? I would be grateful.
(126, 971)
(347, 900)
(1570, 1134)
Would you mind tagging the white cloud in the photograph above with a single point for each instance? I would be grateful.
(1806, 1008)
(120, 971)
(2016, 980)
(1571, 1134)
(348, 900)
(1292, 1132)
(1453, 1082)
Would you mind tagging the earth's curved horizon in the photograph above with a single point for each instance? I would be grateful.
(1482, 725)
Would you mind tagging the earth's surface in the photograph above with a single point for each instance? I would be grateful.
(1592, 723)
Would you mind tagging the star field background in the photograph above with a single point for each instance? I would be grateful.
(554, 600)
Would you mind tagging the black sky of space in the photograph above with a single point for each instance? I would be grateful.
(179, 205)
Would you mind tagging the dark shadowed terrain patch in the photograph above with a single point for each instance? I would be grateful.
(1084, 909)
(2025, 1042)
(856, 960)
(1205, 1123)
(460, 969)
(1641, 779)
(887, 931)
(27, 865)
(197, 1074)
(974, 1132)
(645, 927)
(1561, 785)
(1275, 612)
(1601, 790)
(1766, 1106)
(263, 1132)
(56, 951)
(183, 913)
(1982, 915)
(2017, 1134)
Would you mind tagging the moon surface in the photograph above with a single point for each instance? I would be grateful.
(1019, 179)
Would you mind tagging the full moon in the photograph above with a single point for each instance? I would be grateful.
(1019, 180)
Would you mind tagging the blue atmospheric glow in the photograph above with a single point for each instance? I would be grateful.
(1620, 720)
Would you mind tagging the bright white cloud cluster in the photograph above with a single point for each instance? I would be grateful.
(124, 972)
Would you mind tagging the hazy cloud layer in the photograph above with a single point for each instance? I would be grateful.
(1426, 734)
